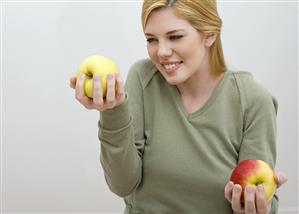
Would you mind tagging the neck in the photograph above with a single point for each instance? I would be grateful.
(200, 84)
(196, 91)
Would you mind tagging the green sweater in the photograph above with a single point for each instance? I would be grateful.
(161, 159)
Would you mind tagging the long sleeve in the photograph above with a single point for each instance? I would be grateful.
(259, 128)
(151, 149)
(121, 135)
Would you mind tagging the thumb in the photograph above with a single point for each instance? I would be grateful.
(73, 81)
(280, 178)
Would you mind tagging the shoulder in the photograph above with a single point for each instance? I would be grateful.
(252, 93)
(142, 70)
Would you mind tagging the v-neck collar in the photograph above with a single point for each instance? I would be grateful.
(179, 102)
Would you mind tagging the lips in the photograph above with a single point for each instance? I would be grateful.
(170, 67)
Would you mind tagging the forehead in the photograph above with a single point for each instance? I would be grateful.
(165, 20)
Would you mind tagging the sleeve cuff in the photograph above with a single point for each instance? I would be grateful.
(116, 118)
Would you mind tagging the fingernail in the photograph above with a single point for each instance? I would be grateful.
(260, 188)
(96, 77)
(238, 188)
(249, 189)
(82, 76)
(281, 178)
(110, 76)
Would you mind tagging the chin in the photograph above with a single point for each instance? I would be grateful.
(175, 81)
(172, 80)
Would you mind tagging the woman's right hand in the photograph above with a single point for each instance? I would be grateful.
(113, 97)
(255, 202)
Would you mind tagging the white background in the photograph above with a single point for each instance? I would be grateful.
(49, 145)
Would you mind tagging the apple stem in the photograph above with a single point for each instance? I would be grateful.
(258, 183)
(89, 74)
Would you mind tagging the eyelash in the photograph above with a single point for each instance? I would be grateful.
(150, 40)
(173, 38)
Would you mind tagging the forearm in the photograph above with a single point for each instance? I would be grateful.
(119, 155)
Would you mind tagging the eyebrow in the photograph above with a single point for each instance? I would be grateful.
(169, 32)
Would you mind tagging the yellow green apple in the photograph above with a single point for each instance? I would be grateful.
(96, 65)
(253, 173)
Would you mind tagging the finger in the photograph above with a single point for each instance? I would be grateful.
(80, 96)
(249, 200)
(120, 86)
(110, 97)
(236, 199)
(73, 82)
(97, 91)
(87, 102)
(228, 190)
(79, 87)
(261, 202)
(280, 178)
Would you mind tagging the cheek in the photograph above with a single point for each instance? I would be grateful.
(185, 50)
(195, 55)
(151, 52)
(193, 48)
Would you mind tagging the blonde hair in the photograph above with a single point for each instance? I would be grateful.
(201, 14)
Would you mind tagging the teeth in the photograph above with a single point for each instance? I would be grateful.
(170, 66)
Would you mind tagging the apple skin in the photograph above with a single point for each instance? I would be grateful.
(96, 65)
(252, 173)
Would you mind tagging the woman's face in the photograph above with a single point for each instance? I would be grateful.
(176, 48)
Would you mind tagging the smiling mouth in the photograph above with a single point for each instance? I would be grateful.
(171, 67)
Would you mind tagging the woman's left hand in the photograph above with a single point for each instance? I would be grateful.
(255, 201)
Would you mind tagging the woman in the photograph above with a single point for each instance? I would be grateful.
(171, 138)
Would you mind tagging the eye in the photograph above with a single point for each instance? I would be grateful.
(175, 37)
(150, 40)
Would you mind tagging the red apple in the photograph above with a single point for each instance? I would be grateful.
(254, 173)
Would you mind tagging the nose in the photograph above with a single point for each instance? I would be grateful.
(164, 50)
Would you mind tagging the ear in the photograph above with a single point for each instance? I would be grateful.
(210, 39)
